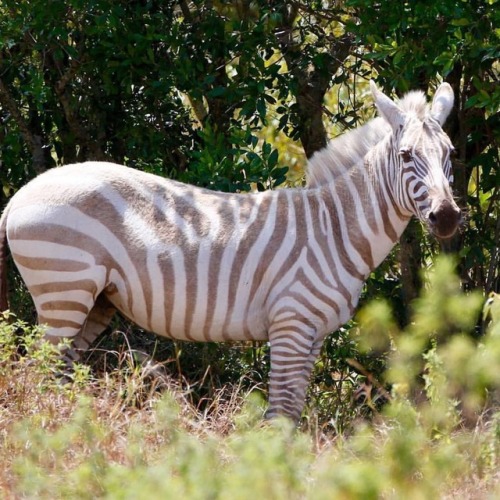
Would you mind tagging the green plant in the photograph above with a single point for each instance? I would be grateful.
(437, 435)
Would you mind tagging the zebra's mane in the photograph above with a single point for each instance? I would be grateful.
(349, 149)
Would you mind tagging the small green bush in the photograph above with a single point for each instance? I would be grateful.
(437, 436)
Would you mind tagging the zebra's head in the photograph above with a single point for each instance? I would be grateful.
(420, 153)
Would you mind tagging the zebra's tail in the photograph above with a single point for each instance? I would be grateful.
(4, 304)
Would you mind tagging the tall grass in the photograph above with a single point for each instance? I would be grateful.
(134, 433)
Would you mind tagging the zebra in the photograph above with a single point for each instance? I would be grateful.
(284, 266)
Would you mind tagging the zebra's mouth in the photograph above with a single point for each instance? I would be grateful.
(442, 235)
(444, 221)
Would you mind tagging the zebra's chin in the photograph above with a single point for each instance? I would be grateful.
(442, 235)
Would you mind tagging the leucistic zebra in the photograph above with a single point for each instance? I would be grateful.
(285, 266)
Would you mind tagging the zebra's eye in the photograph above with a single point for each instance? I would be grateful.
(405, 155)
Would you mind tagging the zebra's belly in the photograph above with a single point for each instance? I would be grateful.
(180, 323)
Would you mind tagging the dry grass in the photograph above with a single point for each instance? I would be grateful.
(113, 408)
(135, 431)
(120, 421)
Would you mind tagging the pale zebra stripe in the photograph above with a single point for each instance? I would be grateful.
(285, 266)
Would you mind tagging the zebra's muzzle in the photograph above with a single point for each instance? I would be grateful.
(445, 219)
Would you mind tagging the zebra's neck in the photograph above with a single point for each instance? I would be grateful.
(365, 219)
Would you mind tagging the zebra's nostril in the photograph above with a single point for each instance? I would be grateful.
(432, 218)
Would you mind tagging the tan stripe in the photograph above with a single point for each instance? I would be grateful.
(386, 182)
(341, 249)
(356, 236)
(280, 232)
(63, 286)
(165, 265)
(191, 268)
(227, 221)
(58, 323)
(328, 252)
(212, 296)
(244, 248)
(50, 264)
(389, 229)
(360, 180)
(65, 305)
(300, 242)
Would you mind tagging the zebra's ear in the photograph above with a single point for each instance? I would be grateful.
(387, 108)
(442, 102)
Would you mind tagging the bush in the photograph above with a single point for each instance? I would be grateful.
(437, 436)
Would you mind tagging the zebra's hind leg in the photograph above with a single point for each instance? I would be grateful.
(292, 359)
(70, 311)
(97, 321)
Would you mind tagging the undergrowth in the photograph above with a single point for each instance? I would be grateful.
(134, 432)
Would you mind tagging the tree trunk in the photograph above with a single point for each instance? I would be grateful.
(411, 260)
(33, 140)
(312, 81)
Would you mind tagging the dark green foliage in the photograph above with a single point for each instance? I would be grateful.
(236, 169)
(409, 44)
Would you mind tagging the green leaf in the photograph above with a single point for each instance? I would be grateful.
(460, 22)
(217, 92)
(273, 159)
(261, 108)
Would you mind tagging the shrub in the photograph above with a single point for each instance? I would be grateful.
(437, 436)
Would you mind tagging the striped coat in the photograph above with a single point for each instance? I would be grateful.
(285, 266)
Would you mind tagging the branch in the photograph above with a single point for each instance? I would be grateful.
(74, 122)
(199, 108)
(312, 82)
(33, 141)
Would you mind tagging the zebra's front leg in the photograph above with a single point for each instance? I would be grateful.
(292, 359)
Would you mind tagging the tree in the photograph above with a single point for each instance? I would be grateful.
(184, 89)
(411, 45)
